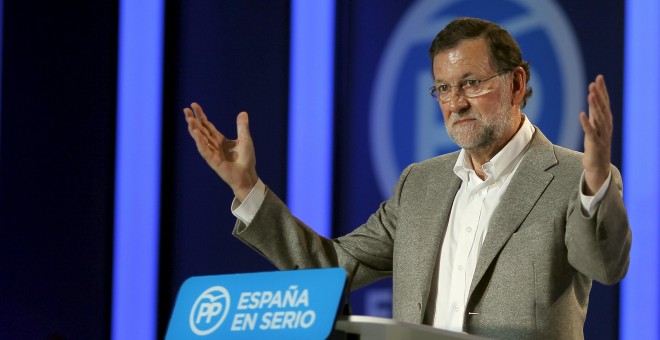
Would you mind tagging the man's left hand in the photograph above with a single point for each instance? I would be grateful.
(597, 136)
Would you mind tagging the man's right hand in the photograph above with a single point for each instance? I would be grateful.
(233, 160)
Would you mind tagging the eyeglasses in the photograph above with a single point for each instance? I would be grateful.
(471, 88)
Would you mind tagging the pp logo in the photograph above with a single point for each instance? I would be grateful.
(210, 310)
(406, 124)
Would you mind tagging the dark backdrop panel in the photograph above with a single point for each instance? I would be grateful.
(229, 56)
(56, 169)
(363, 32)
(600, 30)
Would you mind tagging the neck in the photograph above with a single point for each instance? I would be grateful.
(481, 155)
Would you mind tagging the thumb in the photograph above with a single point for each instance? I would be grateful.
(242, 125)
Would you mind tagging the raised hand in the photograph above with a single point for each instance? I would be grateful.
(233, 160)
(597, 136)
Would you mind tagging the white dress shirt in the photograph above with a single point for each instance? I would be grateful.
(474, 204)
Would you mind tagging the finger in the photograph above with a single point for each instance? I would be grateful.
(597, 119)
(206, 147)
(193, 123)
(188, 113)
(190, 117)
(605, 99)
(213, 132)
(600, 81)
(587, 127)
(594, 106)
(599, 114)
(243, 126)
(598, 99)
(593, 109)
(197, 109)
(201, 116)
(601, 101)
(204, 124)
(202, 142)
(195, 127)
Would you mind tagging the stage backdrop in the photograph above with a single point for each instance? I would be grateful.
(59, 68)
(59, 71)
(229, 56)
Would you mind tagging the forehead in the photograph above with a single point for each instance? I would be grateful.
(468, 58)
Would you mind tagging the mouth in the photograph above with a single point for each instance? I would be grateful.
(464, 121)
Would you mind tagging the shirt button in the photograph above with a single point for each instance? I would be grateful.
(455, 308)
(468, 229)
(460, 267)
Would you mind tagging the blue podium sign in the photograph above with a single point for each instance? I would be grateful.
(297, 304)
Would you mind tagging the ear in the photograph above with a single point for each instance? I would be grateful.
(519, 84)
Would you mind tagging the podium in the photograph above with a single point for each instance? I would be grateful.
(296, 304)
(374, 328)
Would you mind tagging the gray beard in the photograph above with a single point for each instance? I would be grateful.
(486, 137)
(491, 130)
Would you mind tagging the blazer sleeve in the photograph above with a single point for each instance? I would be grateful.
(599, 247)
(366, 253)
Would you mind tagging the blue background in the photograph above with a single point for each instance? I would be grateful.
(58, 134)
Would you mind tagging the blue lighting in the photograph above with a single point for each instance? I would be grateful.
(639, 314)
(311, 92)
(137, 173)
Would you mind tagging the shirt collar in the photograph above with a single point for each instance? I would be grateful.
(502, 163)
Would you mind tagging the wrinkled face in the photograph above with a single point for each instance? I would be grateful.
(482, 120)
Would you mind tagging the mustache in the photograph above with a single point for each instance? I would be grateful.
(467, 114)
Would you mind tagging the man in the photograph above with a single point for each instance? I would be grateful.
(502, 238)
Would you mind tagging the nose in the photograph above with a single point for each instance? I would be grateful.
(457, 100)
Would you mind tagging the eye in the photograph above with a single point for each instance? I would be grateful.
(471, 82)
(442, 88)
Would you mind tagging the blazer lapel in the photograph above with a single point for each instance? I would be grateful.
(527, 185)
(439, 201)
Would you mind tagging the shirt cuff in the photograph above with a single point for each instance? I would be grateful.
(591, 203)
(246, 210)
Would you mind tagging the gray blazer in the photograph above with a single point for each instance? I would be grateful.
(534, 272)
